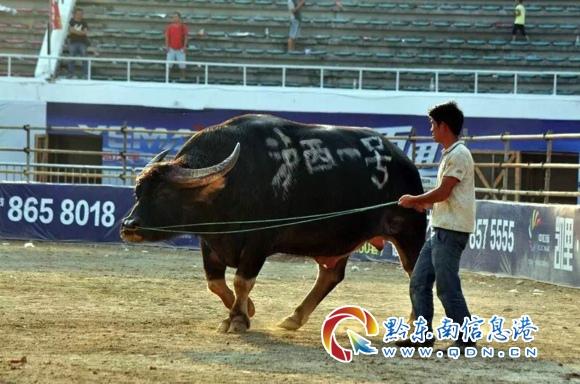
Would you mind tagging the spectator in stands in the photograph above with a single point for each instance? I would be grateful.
(176, 42)
(295, 8)
(78, 41)
(337, 6)
(520, 20)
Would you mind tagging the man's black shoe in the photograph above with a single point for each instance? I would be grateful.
(409, 343)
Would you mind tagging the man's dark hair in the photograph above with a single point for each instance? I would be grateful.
(177, 14)
(449, 113)
(78, 10)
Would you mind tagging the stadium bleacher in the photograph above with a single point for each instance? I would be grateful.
(449, 34)
(22, 34)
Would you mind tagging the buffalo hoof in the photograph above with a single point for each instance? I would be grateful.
(224, 326)
(239, 324)
(290, 323)
(251, 308)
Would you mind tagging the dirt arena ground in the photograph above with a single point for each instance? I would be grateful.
(126, 314)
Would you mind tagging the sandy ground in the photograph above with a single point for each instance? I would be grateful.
(127, 314)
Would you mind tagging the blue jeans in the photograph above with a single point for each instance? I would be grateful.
(77, 49)
(439, 262)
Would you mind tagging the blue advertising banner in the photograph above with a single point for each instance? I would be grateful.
(541, 242)
(67, 213)
(166, 122)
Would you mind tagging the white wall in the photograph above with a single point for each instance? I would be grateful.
(18, 114)
(285, 99)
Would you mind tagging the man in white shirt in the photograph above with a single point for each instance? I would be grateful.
(453, 219)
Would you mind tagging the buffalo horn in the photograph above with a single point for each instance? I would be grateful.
(159, 157)
(203, 176)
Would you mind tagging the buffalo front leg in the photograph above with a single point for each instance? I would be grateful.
(215, 271)
(251, 263)
(221, 289)
(330, 273)
(239, 319)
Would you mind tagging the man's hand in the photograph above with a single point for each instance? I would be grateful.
(407, 201)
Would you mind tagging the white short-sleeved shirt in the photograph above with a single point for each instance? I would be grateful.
(457, 213)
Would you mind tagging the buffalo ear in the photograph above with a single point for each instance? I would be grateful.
(206, 193)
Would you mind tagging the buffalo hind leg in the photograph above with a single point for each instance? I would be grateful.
(408, 260)
(330, 273)
(408, 263)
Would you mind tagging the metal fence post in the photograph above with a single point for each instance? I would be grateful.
(413, 145)
(124, 153)
(506, 148)
(27, 151)
(548, 173)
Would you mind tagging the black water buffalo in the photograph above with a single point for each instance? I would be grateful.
(261, 168)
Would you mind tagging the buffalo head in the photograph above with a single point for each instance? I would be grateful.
(167, 192)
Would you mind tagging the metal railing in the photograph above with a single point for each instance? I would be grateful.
(126, 172)
(504, 191)
(324, 75)
(67, 173)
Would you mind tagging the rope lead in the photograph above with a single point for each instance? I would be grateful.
(298, 220)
